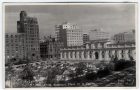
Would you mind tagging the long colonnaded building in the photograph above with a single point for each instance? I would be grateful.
(100, 50)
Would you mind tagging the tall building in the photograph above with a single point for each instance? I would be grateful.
(124, 37)
(50, 48)
(85, 38)
(98, 34)
(69, 34)
(28, 29)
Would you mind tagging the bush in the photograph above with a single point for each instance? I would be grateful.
(103, 72)
(27, 74)
(80, 67)
(91, 76)
(122, 64)
(78, 80)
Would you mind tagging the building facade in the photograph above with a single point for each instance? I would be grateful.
(50, 48)
(11, 46)
(98, 34)
(124, 37)
(69, 34)
(28, 29)
(100, 51)
(85, 38)
(25, 43)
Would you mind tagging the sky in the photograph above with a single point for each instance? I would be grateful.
(112, 18)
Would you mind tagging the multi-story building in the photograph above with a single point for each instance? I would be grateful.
(28, 29)
(85, 38)
(25, 43)
(50, 48)
(69, 34)
(11, 46)
(124, 37)
(98, 34)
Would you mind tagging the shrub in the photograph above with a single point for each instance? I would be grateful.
(27, 74)
(91, 76)
(103, 72)
(122, 64)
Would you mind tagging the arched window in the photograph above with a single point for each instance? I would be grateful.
(79, 54)
(96, 55)
(115, 53)
(71, 54)
(90, 54)
(122, 53)
(109, 52)
(103, 54)
(62, 55)
(66, 55)
(75, 54)
(85, 54)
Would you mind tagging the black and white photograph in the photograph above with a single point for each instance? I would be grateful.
(70, 45)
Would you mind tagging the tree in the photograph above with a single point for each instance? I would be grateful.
(103, 72)
(115, 59)
(80, 67)
(51, 74)
(72, 75)
(27, 74)
(131, 58)
(91, 76)
(122, 64)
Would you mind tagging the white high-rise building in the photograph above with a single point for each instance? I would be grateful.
(69, 34)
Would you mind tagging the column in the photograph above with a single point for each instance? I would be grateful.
(87, 54)
(99, 45)
(100, 55)
(119, 54)
(134, 54)
(105, 45)
(77, 55)
(106, 56)
(73, 55)
(65, 55)
(92, 46)
(69, 55)
(126, 55)
(93, 55)
(82, 55)
(112, 54)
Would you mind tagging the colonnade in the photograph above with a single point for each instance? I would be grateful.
(98, 54)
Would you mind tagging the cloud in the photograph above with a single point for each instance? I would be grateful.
(111, 17)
